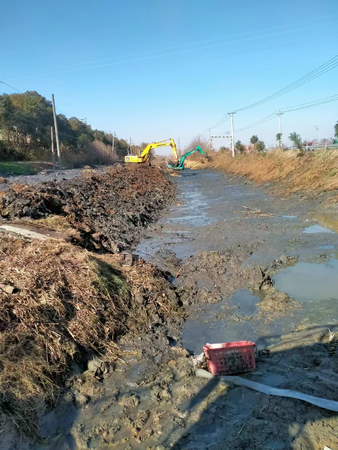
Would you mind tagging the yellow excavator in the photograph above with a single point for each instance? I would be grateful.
(144, 155)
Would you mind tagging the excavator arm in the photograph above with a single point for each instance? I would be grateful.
(180, 165)
(144, 155)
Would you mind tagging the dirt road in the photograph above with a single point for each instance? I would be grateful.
(245, 265)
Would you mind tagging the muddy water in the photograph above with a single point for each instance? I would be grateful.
(309, 281)
(213, 213)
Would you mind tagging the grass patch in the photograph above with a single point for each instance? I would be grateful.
(17, 168)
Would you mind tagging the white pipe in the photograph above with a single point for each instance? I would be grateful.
(330, 405)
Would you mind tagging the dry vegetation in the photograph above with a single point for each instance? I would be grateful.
(55, 303)
(294, 171)
(95, 152)
(60, 304)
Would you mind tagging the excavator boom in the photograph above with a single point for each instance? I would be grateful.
(180, 164)
(144, 155)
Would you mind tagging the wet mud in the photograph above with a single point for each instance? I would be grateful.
(240, 267)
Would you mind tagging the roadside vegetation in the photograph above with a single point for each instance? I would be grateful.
(17, 168)
(294, 170)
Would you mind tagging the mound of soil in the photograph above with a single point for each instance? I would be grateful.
(108, 210)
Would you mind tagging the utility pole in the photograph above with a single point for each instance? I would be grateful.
(179, 146)
(232, 133)
(209, 141)
(280, 121)
(317, 135)
(130, 146)
(113, 144)
(56, 134)
(280, 126)
(52, 146)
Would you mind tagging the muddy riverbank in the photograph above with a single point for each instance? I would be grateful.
(242, 265)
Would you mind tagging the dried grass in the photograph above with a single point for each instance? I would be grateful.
(65, 302)
(94, 153)
(293, 171)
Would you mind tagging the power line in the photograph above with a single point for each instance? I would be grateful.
(321, 70)
(271, 116)
(192, 43)
(180, 51)
(15, 89)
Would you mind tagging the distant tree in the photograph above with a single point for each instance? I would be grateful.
(296, 139)
(239, 147)
(254, 139)
(121, 147)
(198, 140)
(279, 138)
(336, 130)
(260, 146)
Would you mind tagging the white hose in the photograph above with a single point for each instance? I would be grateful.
(331, 405)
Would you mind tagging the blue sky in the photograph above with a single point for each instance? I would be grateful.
(151, 69)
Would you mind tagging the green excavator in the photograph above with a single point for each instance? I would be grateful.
(180, 164)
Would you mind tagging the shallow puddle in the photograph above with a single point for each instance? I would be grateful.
(246, 302)
(289, 217)
(317, 229)
(228, 321)
(309, 281)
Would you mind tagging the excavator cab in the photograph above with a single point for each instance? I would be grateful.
(145, 155)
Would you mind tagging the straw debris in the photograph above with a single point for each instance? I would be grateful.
(64, 305)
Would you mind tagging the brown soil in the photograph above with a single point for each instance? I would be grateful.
(108, 210)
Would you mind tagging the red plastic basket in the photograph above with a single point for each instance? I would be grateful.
(230, 358)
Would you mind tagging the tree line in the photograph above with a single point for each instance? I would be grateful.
(259, 146)
(25, 130)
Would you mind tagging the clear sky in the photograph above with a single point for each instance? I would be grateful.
(154, 69)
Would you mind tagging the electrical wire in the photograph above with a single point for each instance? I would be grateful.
(321, 70)
(187, 45)
(271, 116)
(180, 51)
(15, 89)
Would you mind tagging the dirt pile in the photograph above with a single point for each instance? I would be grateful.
(108, 210)
(58, 306)
(276, 304)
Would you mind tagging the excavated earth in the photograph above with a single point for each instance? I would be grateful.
(233, 263)
(107, 209)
